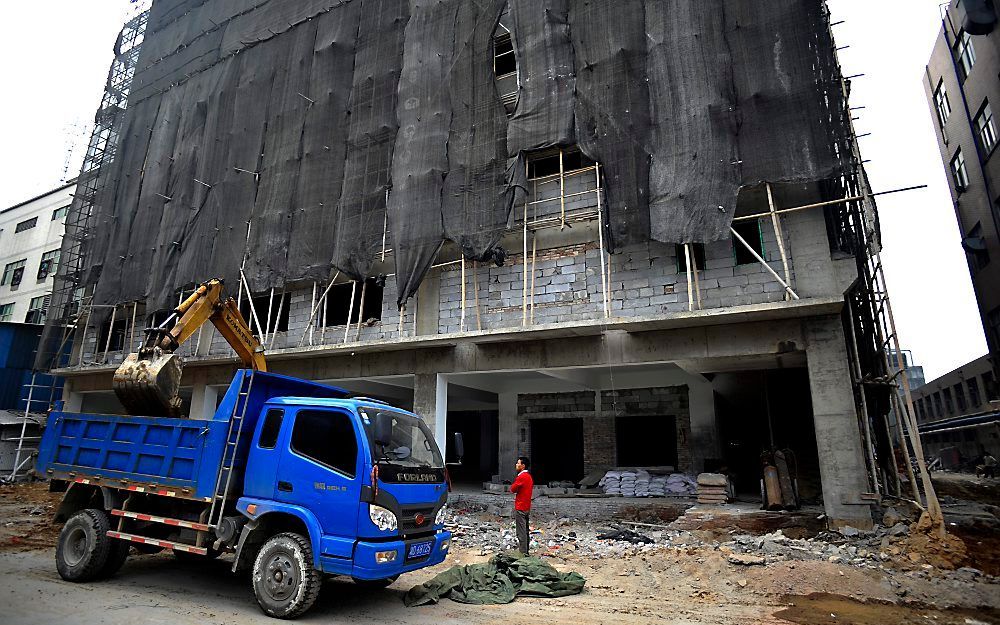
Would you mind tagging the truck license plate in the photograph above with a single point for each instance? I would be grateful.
(419, 550)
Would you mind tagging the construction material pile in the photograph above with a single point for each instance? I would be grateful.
(713, 488)
(640, 483)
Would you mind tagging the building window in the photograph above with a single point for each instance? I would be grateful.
(27, 224)
(271, 428)
(505, 64)
(37, 308)
(986, 129)
(990, 387)
(271, 312)
(993, 328)
(367, 303)
(60, 212)
(921, 415)
(941, 104)
(6, 312)
(561, 183)
(965, 54)
(960, 398)
(938, 411)
(48, 264)
(752, 234)
(697, 252)
(949, 405)
(958, 172)
(13, 273)
(973, 386)
(112, 337)
(326, 437)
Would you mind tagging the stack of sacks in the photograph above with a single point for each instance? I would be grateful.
(641, 483)
(680, 485)
(658, 486)
(628, 484)
(611, 483)
(713, 488)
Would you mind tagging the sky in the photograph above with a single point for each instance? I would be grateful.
(56, 57)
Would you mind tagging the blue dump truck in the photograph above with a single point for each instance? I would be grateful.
(295, 479)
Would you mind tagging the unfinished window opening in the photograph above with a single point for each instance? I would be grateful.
(272, 313)
(949, 405)
(960, 176)
(938, 410)
(117, 333)
(697, 252)
(367, 303)
(505, 64)
(990, 387)
(563, 184)
(960, 398)
(27, 224)
(752, 234)
(647, 441)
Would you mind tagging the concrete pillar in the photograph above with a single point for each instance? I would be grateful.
(204, 399)
(838, 435)
(430, 401)
(72, 401)
(704, 441)
(509, 441)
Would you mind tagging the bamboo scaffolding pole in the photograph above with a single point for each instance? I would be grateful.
(854, 198)
(253, 309)
(534, 251)
(461, 322)
(562, 191)
(777, 234)
(310, 328)
(281, 309)
(856, 375)
(111, 331)
(361, 310)
(402, 315)
(350, 309)
(697, 280)
(524, 272)
(690, 285)
(475, 288)
(131, 338)
(316, 304)
(270, 310)
(600, 239)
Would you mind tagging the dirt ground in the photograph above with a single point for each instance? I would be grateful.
(687, 577)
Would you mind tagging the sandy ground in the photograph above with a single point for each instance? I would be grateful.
(677, 585)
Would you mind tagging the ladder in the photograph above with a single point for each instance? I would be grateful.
(224, 478)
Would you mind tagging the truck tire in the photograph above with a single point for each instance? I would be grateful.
(375, 584)
(117, 554)
(284, 579)
(82, 550)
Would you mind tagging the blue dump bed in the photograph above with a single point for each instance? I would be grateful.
(180, 457)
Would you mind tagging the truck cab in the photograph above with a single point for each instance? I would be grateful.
(372, 499)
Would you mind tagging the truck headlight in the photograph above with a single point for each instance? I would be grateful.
(439, 519)
(382, 518)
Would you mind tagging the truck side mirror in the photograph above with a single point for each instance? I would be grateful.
(383, 428)
(459, 446)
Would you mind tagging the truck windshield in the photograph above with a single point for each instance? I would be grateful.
(412, 443)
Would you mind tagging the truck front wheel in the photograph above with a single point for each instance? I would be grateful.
(285, 581)
(84, 545)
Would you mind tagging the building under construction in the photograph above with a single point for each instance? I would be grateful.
(598, 232)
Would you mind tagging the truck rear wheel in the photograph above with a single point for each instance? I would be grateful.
(117, 554)
(82, 551)
(284, 579)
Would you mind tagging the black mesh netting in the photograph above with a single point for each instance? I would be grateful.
(295, 139)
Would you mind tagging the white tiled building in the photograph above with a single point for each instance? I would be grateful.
(30, 236)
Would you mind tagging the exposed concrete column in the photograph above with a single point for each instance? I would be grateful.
(838, 435)
(704, 441)
(204, 399)
(72, 401)
(430, 401)
(508, 434)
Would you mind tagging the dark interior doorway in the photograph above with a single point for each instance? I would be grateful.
(556, 450)
(646, 441)
(743, 402)
(481, 432)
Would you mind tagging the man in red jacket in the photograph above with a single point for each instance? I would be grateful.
(522, 487)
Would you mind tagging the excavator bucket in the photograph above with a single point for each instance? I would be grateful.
(150, 386)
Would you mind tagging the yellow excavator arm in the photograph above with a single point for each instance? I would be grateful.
(148, 381)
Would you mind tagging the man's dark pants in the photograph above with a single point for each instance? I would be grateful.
(521, 521)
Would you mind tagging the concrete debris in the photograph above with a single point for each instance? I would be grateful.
(746, 559)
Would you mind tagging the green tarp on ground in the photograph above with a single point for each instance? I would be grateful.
(498, 581)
